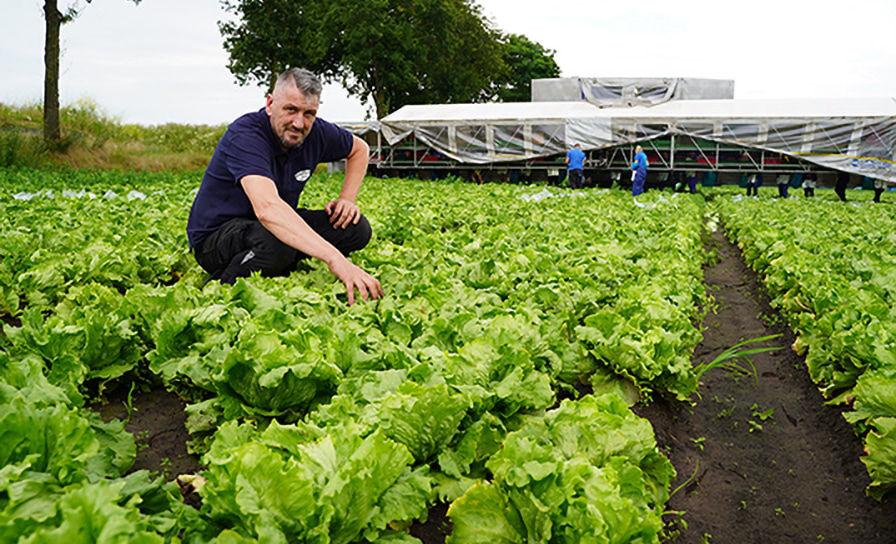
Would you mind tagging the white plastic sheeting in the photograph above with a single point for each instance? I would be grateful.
(508, 131)
(853, 135)
(544, 194)
(360, 128)
(627, 91)
(82, 193)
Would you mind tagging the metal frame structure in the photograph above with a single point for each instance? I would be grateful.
(857, 136)
(666, 154)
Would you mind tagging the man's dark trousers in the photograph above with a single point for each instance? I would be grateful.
(242, 246)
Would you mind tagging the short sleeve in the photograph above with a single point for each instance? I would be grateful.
(248, 154)
(337, 141)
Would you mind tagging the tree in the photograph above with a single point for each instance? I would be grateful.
(272, 35)
(392, 52)
(54, 20)
(524, 61)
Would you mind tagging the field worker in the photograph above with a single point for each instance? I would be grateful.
(782, 180)
(575, 162)
(639, 171)
(691, 178)
(245, 217)
(809, 185)
(879, 187)
(753, 183)
(841, 185)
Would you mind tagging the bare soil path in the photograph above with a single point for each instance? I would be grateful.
(773, 464)
(157, 422)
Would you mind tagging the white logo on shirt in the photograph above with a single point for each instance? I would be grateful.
(303, 175)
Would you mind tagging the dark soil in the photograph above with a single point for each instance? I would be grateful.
(795, 477)
(157, 422)
(436, 528)
(10, 320)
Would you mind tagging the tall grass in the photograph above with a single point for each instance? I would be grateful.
(93, 139)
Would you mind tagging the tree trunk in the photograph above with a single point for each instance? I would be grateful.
(381, 103)
(51, 72)
(380, 98)
(272, 78)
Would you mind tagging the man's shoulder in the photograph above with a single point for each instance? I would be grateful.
(251, 131)
(249, 122)
(325, 130)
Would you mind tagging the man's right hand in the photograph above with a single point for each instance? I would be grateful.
(355, 278)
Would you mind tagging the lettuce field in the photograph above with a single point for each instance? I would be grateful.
(493, 395)
(831, 270)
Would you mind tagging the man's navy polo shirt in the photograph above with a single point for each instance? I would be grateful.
(250, 147)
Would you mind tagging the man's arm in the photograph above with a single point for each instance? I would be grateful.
(285, 224)
(343, 210)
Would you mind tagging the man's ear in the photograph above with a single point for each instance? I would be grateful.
(268, 102)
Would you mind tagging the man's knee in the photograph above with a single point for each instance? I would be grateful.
(357, 237)
(364, 233)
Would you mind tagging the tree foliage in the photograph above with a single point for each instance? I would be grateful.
(524, 60)
(392, 52)
(268, 36)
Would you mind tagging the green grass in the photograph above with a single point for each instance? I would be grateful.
(93, 139)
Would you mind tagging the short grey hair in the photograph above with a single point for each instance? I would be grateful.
(306, 82)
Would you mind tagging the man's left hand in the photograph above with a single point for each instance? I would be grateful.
(342, 212)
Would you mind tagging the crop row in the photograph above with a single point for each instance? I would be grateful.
(323, 423)
(829, 268)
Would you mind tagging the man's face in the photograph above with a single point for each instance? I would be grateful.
(292, 114)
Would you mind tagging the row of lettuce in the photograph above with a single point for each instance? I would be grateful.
(321, 423)
(830, 269)
(69, 228)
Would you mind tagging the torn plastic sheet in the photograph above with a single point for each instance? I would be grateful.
(630, 91)
(608, 92)
(856, 136)
(866, 148)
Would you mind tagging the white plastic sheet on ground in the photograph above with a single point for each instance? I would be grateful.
(82, 193)
(544, 194)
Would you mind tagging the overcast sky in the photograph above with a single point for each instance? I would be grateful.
(162, 61)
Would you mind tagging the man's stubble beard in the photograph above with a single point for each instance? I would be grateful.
(288, 146)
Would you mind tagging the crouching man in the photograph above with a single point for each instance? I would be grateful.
(245, 217)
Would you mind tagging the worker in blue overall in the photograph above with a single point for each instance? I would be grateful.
(575, 162)
(639, 171)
